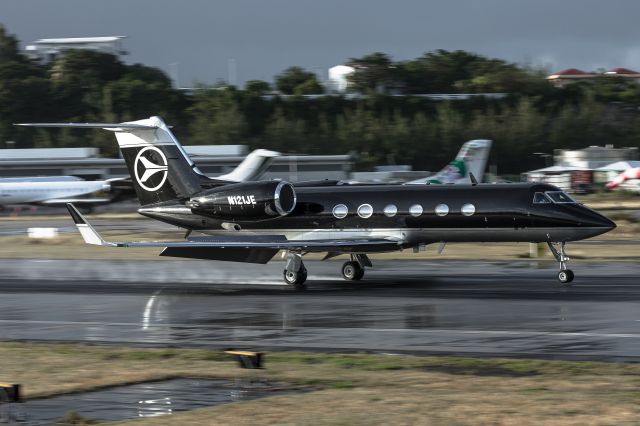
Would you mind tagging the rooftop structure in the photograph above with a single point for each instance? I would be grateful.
(572, 75)
(568, 76)
(47, 49)
(594, 157)
(339, 78)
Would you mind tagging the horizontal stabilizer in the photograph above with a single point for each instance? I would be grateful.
(112, 126)
(84, 201)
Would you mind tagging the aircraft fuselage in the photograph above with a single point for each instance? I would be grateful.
(411, 214)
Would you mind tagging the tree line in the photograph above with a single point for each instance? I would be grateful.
(377, 127)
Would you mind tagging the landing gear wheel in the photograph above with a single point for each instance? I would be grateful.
(295, 279)
(565, 276)
(352, 271)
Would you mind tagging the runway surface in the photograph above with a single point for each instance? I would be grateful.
(446, 307)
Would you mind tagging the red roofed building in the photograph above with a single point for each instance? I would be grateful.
(568, 76)
(623, 72)
(571, 75)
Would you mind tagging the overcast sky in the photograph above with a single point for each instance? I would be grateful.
(266, 36)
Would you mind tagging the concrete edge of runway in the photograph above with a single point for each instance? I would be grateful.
(339, 350)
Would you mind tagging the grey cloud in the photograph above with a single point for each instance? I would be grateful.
(266, 36)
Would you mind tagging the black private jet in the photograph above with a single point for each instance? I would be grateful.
(251, 221)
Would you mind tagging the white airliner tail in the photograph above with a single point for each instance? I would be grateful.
(254, 165)
(471, 160)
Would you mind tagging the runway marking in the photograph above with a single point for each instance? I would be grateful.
(358, 329)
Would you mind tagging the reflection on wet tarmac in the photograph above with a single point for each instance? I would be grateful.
(142, 400)
(492, 309)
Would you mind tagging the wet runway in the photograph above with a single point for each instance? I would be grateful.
(445, 307)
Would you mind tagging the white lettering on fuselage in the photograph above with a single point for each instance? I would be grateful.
(241, 200)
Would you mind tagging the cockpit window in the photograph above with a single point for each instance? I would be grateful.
(540, 198)
(560, 197)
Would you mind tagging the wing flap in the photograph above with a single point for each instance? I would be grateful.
(254, 255)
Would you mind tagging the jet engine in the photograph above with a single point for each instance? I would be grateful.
(249, 200)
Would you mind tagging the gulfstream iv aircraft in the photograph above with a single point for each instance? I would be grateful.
(251, 221)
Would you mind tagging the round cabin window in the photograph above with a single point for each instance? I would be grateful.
(365, 211)
(415, 210)
(442, 209)
(468, 209)
(340, 211)
(390, 211)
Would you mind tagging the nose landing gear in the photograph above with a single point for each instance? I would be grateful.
(565, 275)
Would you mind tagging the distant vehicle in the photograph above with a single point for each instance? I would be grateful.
(471, 160)
(251, 221)
(629, 180)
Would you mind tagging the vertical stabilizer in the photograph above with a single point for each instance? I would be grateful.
(254, 165)
(472, 158)
(160, 168)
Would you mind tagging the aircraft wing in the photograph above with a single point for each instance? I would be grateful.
(235, 248)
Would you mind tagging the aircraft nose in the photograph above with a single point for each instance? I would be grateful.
(594, 219)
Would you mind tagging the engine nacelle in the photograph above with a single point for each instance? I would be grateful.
(250, 200)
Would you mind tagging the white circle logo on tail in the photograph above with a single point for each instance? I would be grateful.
(150, 168)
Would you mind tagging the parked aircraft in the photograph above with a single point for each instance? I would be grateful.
(470, 161)
(251, 221)
(52, 191)
(628, 180)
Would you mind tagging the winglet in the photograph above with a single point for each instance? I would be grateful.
(89, 234)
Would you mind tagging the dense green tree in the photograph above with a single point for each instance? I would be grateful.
(373, 72)
(257, 87)
(217, 118)
(377, 128)
(295, 80)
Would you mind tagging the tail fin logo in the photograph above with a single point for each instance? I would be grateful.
(148, 173)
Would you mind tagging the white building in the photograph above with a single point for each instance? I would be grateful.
(338, 78)
(47, 49)
(593, 157)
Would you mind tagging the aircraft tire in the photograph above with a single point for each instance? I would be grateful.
(566, 276)
(352, 271)
(295, 279)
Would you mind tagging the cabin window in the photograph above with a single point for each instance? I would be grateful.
(540, 198)
(390, 210)
(468, 209)
(340, 211)
(560, 197)
(365, 211)
(442, 209)
(415, 210)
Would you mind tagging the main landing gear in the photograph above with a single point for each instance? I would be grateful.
(354, 269)
(295, 273)
(565, 275)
